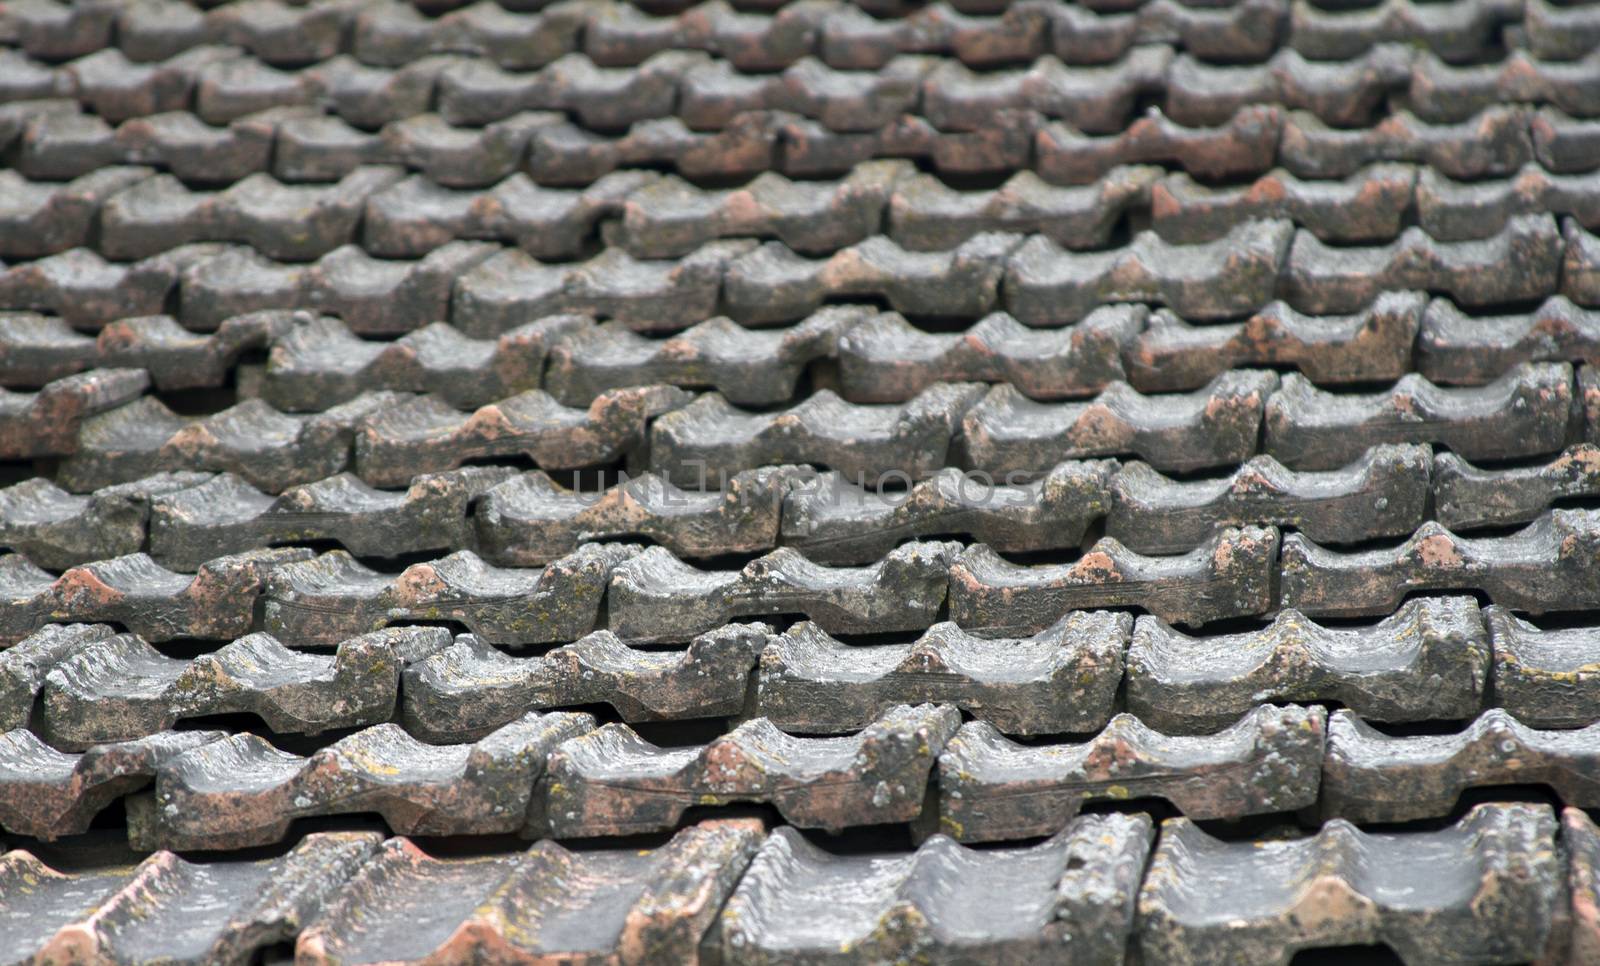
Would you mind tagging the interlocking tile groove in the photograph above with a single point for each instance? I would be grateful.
(309, 146)
(470, 688)
(1494, 141)
(1545, 566)
(116, 88)
(531, 520)
(42, 218)
(241, 791)
(1171, 355)
(25, 79)
(278, 33)
(567, 154)
(1384, 493)
(1345, 93)
(56, 529)
(231, 85)
(269, 449)
(193, 914)
(711, 93)
(1245, 144)
(393, 33)
(1467, 496)
(134, 591)
(1522, 261)
(1580, 269)
(1094, 99)
(1545, 678)
(613, 782)
(69, 143)
(57, 31)
(22, 108)
(1217, 425)
(629, 906)
(177, 358)
(473, 92)
(426, 434)
(319, 362)
(1559, 32)
(766, 40)
(831, 519)
(122, 688)
(1452, 210)
(373, 296)
(1063, 679)
(410, 218)
(654, 596)
(1562, 143)
(710, 440)
(1428, 661)
(48, 422)
(1581, 842)
(1587, 405)
(670, 217)
(993, 789)
(887, 359)
(772, 283)
(227, 515)
(371, 97)
(1523, 413)
(1001, 144)
(461, 157)
(1230, 575)
(282, 221)
(1482, 890)
(333, 596)
(36, 349)
(943, 902)
(749, 367)
(799, 147)
(47, 793)
(24, 665)
(1236, 31)
(657, 295)
(926, 215)
(1229, 276)
(1443, 92)
(1369, 776)
(1453, 347)
(1365, 207)
(1456, 32)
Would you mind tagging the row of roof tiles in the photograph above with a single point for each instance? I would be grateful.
(221, 84)
(391, 33)
(653, 596)
(1505, 883)
(55, 140)
(315, 363)
(1435, 659)
(184, 519)
(109, 433)
(129, 213)
(557, 774)
(486, 290)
